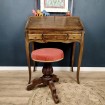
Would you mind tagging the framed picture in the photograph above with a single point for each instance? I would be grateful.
(54, 5)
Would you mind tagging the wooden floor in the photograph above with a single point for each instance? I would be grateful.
(13, 85)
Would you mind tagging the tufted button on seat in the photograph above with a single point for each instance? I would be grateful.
(47, 55)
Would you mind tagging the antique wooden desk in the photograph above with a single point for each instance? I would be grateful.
(55, 29)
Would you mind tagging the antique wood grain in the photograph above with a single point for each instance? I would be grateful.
(63, 29)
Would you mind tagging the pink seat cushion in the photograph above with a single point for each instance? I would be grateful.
(47, 55)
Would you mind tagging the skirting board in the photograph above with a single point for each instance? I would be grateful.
(91, 69)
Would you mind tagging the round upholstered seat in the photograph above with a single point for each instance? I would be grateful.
(47, 55)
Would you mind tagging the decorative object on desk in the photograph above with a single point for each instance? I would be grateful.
(54, 5)
(34, 12)
(37, 13)
(68, 13)
(45, 13)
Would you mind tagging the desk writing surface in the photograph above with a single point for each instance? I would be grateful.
(54, 23)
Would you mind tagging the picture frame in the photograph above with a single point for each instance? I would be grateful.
(54, 5)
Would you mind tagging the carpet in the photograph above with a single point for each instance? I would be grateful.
(70, 93)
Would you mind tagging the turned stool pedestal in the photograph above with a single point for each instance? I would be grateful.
(47, 55)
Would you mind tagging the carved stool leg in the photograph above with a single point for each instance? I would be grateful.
(54, 78)
(53, 91)
(34, 83)
(47, 79)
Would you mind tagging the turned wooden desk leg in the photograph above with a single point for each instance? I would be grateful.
(34, 69)
(33, 48)
(80, 57)
(28, 58)
(73, 55)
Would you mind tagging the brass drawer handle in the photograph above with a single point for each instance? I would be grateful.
(67, 36)
(43, 38)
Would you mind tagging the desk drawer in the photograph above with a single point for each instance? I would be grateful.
(55, 36)
(74, 36)
(35, 36)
